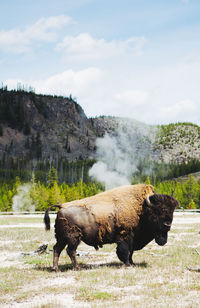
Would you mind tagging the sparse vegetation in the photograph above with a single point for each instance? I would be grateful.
(176, 137)
(162, 275)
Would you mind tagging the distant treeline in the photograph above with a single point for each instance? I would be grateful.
(72, 172)
(158, 172)
(69, 172)
(186, 192)
(40, 196)
(51, 190)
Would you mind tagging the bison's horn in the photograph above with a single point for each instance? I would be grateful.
(148, 200)
(167, 224)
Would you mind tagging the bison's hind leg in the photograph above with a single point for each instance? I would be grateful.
(123, 253)
(71, 250)
(57, 249)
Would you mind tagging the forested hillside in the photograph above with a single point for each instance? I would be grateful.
(40, 133)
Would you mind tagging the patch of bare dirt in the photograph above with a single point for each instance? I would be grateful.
(95, 259)
(14, 259)
(22, 225)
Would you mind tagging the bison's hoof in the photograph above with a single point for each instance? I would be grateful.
(132, 264)
(55, 269)
(76, 268)
(128, 264)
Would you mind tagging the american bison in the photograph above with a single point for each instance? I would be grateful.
(130, 216)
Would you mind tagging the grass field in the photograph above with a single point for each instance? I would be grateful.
(167, 276)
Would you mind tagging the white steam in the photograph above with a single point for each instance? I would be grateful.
(22, 201)
(121, 154)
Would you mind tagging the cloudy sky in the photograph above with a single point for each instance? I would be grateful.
(129, 58)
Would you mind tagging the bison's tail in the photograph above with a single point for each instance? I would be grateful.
(47, 218)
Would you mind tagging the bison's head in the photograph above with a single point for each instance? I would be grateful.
(158, 211)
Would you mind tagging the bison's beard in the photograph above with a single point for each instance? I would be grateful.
(161, 238)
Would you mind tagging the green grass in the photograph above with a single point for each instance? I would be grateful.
(39, 261)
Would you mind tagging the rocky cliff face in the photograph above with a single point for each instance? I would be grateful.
(38, 126)
(179, 142)
(49, 126)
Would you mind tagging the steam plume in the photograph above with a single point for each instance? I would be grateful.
(120, 155)
(22, 201)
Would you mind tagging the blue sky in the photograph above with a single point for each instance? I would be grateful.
(130, 58)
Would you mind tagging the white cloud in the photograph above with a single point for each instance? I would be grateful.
(84, 46)
(78, 83)
(44, 30)
(96, 93)
(132, 97)
(182, 106)
(157, 96)
(181, 110)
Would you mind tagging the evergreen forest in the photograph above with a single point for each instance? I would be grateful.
(34, 181)
(39, 192)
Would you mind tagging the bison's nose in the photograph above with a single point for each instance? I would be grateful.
(161, 241)
(161, 238)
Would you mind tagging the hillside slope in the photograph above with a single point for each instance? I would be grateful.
(45, 127)
(38, 126)
(179, 142)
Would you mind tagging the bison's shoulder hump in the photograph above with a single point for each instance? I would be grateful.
(124, 203)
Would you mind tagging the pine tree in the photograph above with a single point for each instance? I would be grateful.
(67, 143)
(1, 130)
(192, 205)
(27, 143)
(148, 181)
(52, 177)
(21, 116)
(38, 146)
(27, 129)
(55, 196)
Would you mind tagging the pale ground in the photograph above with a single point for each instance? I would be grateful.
(166, 276)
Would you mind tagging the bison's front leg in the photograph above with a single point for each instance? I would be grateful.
(123, 253)
(130, 258)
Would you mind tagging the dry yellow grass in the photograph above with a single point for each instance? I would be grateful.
(166, 276)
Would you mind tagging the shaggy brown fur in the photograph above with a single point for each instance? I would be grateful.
(124, 203)
(121, 215)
